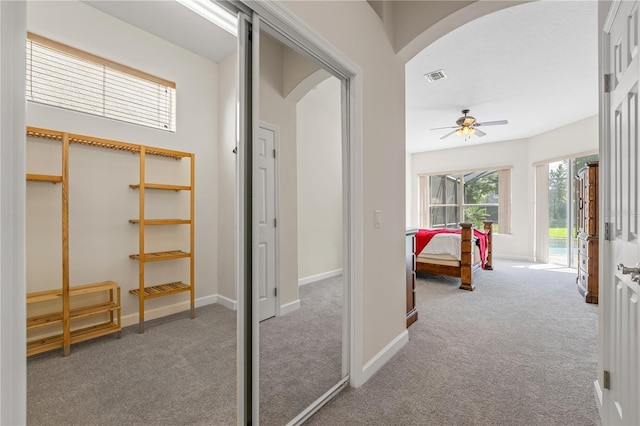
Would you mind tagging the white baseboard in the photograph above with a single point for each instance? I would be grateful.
(289, 307)
(163, 311)
(597, 393)
(206, 300)
(517, 258)
(381, 358)
(228, 303)
(313, 278)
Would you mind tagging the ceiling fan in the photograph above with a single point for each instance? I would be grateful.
(467, 126)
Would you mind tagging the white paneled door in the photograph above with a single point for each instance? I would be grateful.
(265, 209)
(619, 340)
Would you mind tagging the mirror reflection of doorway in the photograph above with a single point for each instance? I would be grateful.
(301, 347)
(266, 199)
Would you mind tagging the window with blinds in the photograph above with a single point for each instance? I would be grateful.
(467, 196)
(65, 77)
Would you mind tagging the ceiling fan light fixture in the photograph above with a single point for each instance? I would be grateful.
(466, 126)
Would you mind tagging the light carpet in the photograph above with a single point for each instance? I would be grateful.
(519, 350)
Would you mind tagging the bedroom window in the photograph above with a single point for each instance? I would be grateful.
(468, 196)
(62, 76)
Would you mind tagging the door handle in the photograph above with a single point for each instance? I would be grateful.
(635, 272)
(626, 271)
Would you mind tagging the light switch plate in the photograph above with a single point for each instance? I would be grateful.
(377, 219)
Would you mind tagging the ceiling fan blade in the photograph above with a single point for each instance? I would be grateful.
(449, 134)
(493, 123)
(479, 132)
(448, 127)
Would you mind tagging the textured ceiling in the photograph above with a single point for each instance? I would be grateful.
(534, 65)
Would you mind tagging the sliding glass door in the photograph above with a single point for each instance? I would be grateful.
(563, 209)
(559, 212)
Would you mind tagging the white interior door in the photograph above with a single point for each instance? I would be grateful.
(265, 200)
(619, 288)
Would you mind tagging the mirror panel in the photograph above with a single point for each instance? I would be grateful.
(302, 311)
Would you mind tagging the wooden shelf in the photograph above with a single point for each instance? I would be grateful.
(86, 311)
(44, 320)
(44, 178)
(162, 221)
(44, 344)
(57, 341)
(94, 331)
(92, 288)
(161, 255)
(163, 187)
(162, 290)
(143, 292)
(53, 342)
(43, 296)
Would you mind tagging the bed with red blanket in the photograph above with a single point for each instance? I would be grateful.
(454, 252)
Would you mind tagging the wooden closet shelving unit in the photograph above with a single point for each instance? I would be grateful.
(63, 315)
(112, 307)
(144, 292)
(44, 178)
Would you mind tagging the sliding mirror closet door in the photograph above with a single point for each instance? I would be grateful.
(299, 233)
(132, 189)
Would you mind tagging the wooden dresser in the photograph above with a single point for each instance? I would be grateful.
(588, 232)
(412, 313)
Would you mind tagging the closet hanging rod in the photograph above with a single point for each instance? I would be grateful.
(105, 143)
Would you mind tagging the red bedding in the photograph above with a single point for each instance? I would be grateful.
(425, 235)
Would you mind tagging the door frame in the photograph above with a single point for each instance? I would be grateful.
(600, 395)
(13, 369)
(606, 13)
(276, 194)
(282, 24)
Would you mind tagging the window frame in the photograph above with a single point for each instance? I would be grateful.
(115, 96)
(504, 197)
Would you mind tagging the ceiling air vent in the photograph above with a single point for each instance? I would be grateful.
(435, 75)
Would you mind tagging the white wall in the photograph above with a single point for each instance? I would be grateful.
(520, 155)
(227, 215)
(564, 142)
(319, 164)
(100, 200)
(280, 112)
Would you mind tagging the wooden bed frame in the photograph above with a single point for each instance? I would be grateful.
(466, 268)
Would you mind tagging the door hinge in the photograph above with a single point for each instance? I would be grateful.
(607, 231)
(275, 292)
(274, 153)
(607, 83)
(275, 222)
(607, 379)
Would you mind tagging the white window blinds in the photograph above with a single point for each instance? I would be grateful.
(65, 77)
